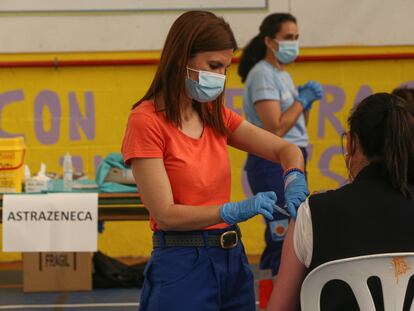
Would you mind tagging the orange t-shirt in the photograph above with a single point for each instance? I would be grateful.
(198, 169)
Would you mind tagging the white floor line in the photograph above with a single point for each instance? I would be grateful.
(77, 305)
(71, 305)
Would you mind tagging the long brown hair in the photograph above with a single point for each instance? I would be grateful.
(384, 126)
(193, 32)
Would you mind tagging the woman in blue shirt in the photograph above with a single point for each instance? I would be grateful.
(272, 102)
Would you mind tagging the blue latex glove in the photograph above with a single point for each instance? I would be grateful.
(262, 203)
(296, 191)
(308, 93)
(307, 105)
(316, 87)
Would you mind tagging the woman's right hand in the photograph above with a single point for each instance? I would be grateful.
(262, 203)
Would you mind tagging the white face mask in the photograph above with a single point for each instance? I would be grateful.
(209, 86)
(287, 51)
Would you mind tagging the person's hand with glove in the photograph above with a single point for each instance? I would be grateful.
(262, 203)
(296, 190)
(308, 93)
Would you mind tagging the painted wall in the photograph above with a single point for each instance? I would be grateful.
(84, 110)
(322, 23)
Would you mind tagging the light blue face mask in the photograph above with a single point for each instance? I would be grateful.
(288, 51)
(209, 86)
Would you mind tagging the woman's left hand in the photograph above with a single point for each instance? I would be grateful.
(309, 93)
(296, 190)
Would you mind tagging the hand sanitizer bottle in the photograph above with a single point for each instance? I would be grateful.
(67, 172)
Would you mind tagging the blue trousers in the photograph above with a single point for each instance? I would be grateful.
(264, 175)
(198, 278)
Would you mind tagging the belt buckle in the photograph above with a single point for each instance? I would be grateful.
(229, 239)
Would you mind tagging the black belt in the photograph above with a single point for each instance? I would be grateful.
(226, 239)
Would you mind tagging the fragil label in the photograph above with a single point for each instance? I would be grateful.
(53, 222)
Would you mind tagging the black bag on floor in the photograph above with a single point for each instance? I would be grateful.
(111, 273)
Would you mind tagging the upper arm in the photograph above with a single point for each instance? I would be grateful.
(143, 137)
(286, 289)
(266, 97)
(255, 140)
(263, 86)
(143, 147)
(269, 113)
(153, 184)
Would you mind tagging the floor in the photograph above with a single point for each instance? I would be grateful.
(13, 298)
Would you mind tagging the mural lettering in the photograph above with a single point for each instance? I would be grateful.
(48, 114)
(52, 112)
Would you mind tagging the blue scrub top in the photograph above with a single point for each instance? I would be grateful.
(264, 82)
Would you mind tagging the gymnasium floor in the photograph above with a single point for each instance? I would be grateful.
(13, 298)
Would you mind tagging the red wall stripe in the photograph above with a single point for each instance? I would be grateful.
(154, 61)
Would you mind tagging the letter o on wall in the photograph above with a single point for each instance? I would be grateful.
(47, 100)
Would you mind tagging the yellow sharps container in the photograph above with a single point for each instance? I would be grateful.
(12, 153)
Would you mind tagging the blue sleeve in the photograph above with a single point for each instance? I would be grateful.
(264, 86)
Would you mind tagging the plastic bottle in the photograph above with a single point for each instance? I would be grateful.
(67, 172)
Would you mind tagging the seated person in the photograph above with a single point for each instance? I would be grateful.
(372, 214)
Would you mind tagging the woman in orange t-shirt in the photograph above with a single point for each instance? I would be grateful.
(176, 143)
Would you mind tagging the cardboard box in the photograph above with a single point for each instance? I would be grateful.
(51, 271)
(35, 185)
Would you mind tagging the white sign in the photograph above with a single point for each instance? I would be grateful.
(126, 5)
(53, 222)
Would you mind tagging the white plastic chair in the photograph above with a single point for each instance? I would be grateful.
(393, 269)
